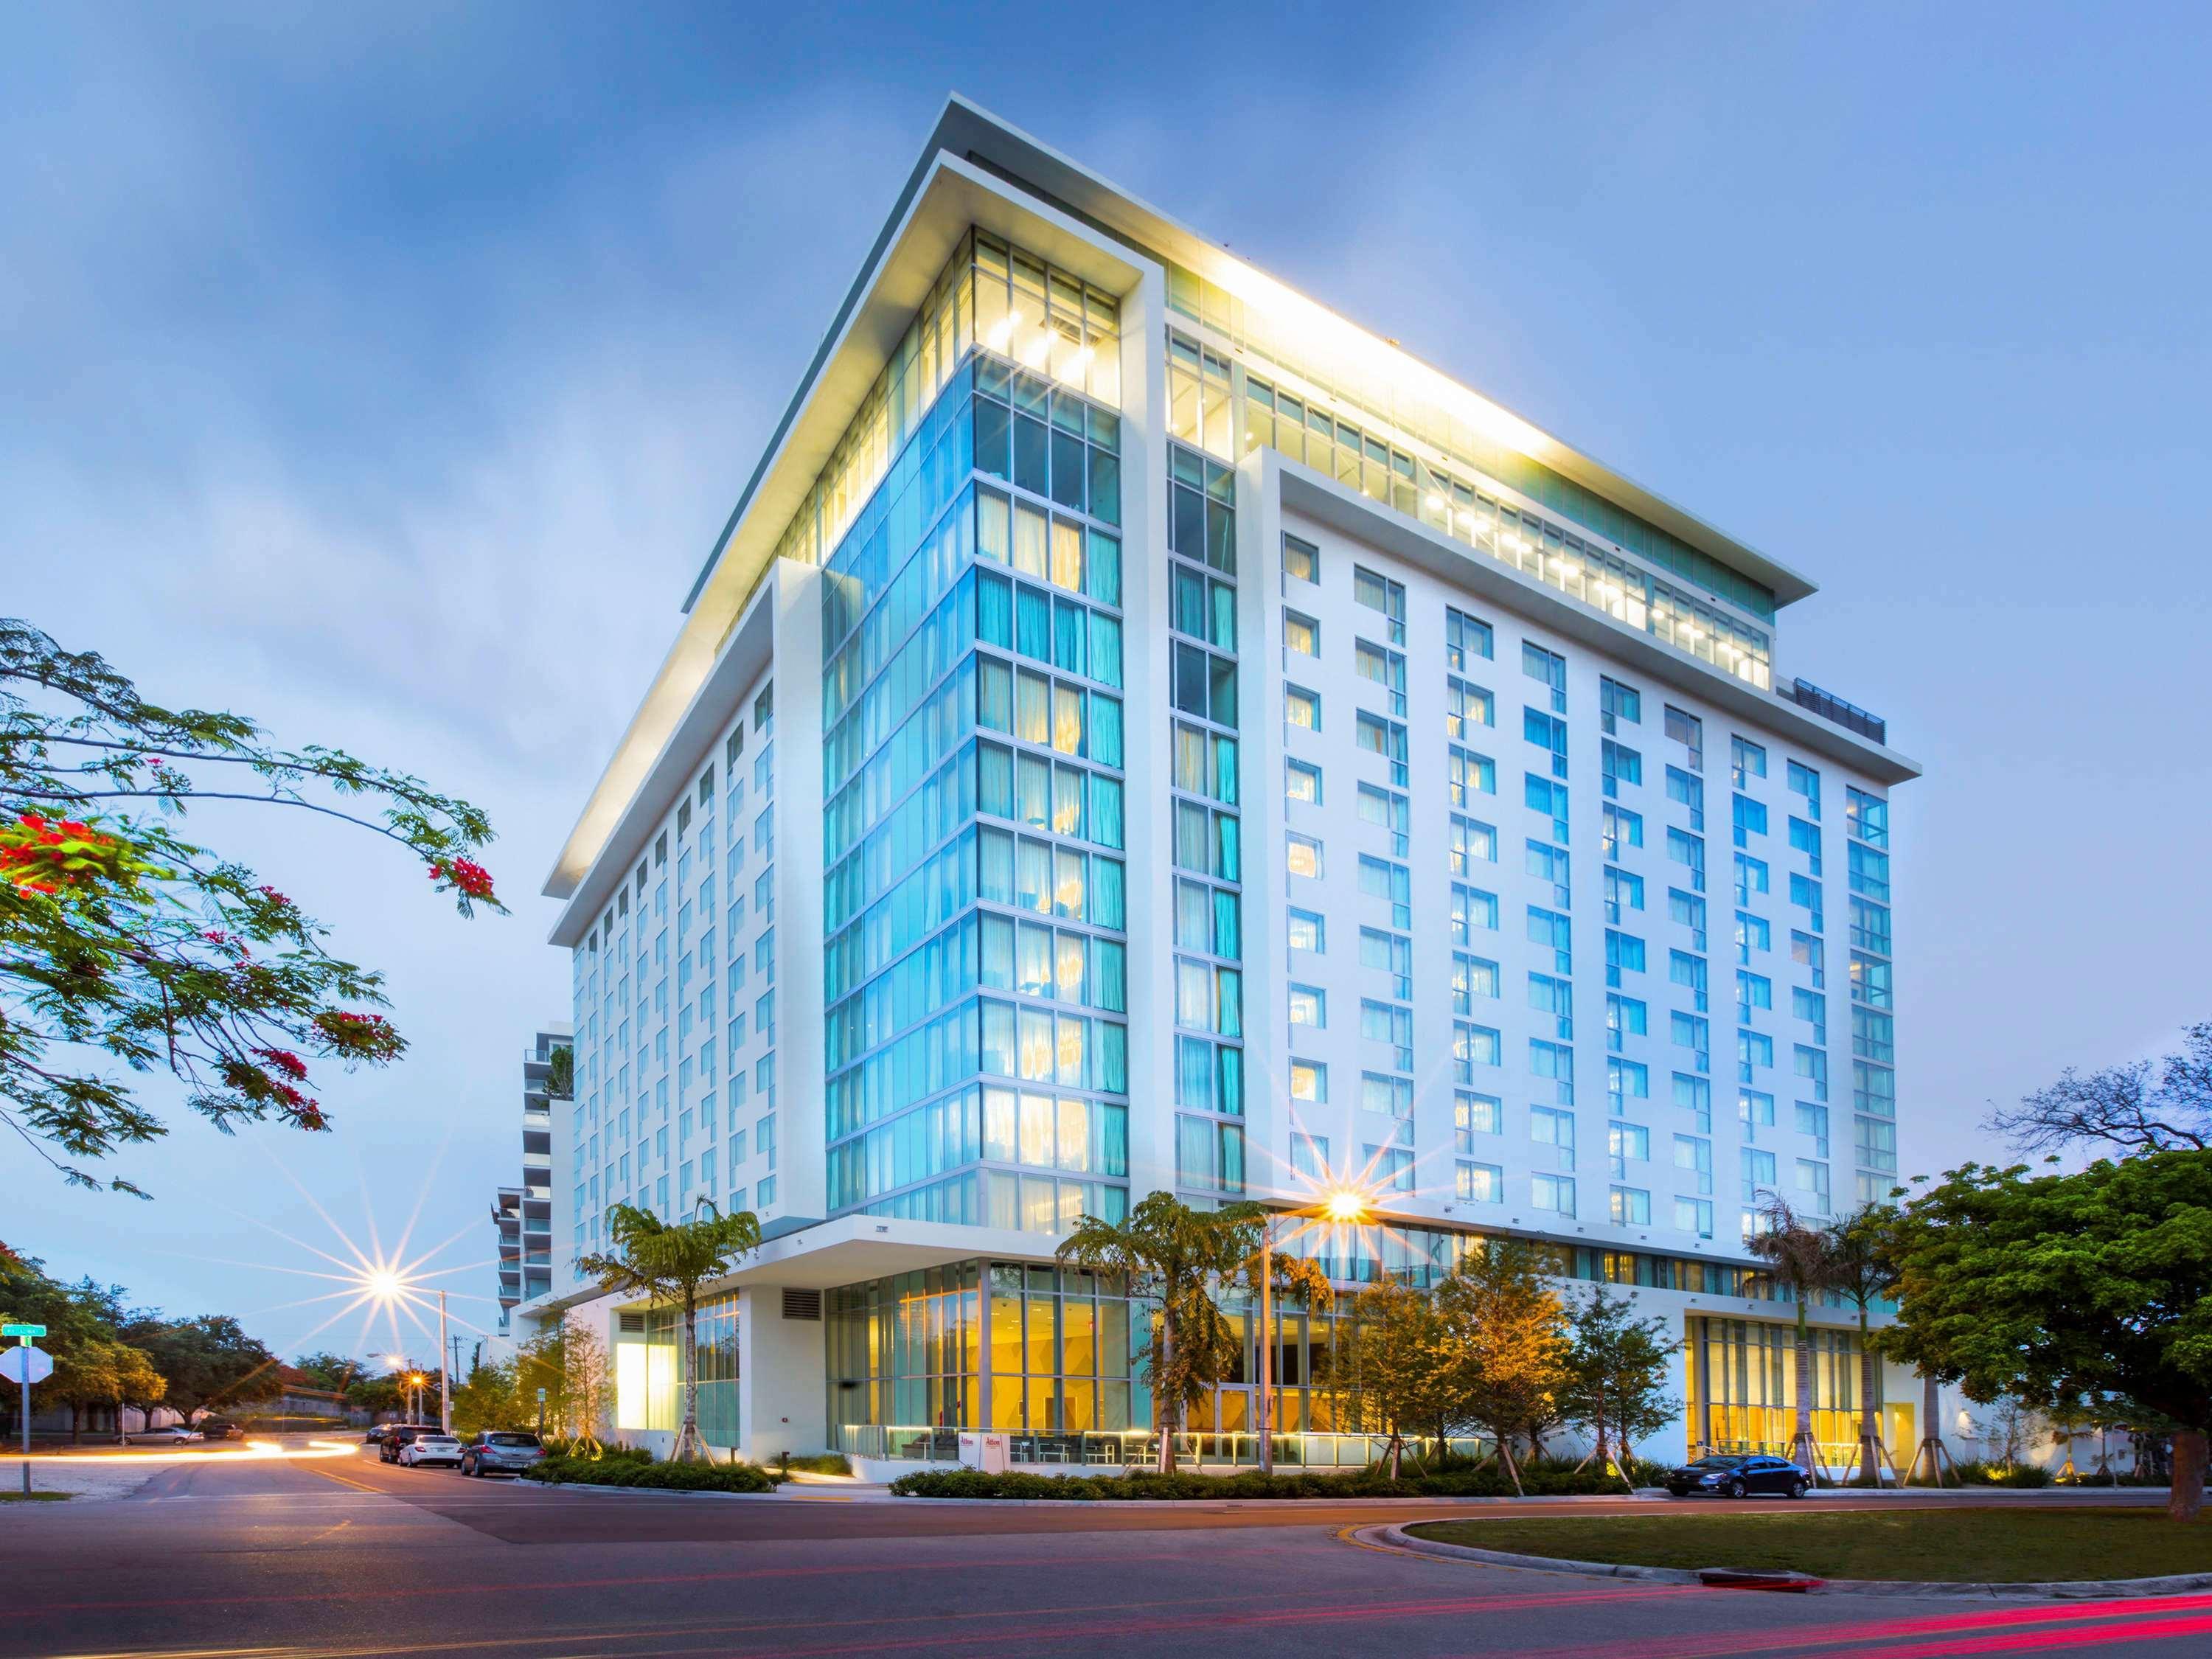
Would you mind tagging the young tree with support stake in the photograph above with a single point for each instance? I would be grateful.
(668, 1261)
(1796, 1257)
(1504, 1330)
(1391, 1370)
(1617, 1383)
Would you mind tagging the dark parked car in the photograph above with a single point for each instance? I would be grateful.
(220, 1428)
(1737, 1476)
(500, 1451)
(396, 1437)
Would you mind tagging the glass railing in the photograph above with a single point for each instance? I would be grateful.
(1124, 1447)
(1832, 708)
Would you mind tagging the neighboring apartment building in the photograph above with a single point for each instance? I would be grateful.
(1139, 730)
(523, 1214)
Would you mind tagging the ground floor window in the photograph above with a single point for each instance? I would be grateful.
(1742, 1387)
(648, 1367)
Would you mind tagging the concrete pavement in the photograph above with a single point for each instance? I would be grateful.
(353, 1558)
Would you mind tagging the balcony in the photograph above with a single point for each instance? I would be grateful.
(1833, 710)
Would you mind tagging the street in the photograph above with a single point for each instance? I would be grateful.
(349, 1557)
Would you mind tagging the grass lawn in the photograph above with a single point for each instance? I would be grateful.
(1998, 1546)
(34, 1497)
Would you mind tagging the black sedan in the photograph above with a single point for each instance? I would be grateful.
(1737, 1476)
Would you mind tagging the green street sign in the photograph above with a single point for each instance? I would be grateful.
(22, 1330)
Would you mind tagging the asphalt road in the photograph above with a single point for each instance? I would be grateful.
(286, 1560)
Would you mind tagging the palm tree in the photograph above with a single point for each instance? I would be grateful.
(1796, 1255)
(1856, 1267)
(668, 1260)
(1179, 1257)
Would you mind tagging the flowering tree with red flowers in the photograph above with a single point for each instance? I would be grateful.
(126, 948)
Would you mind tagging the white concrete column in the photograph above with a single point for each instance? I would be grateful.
(781, 1385)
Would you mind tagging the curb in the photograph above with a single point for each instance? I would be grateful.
(2062, 1590)
(648, 1492)
(1216, 1505)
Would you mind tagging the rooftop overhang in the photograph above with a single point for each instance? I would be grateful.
(944, 197)
(1305, 490)
(966, 130)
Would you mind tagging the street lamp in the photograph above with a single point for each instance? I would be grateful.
(1340, 1205)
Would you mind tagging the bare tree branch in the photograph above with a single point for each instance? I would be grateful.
(2131, 1109)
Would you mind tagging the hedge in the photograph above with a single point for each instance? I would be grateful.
(1144, 1484)
(620, 1467)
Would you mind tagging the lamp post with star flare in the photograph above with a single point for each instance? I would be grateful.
(1345, 1205)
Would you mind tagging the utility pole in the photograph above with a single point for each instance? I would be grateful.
(445, 1372)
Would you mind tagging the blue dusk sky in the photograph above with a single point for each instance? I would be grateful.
(386, 371)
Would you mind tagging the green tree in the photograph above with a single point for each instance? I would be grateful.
(570, 1363)
(1390, 1370)
(76, 1327)
(98, 1371)
(207, 1364)
(1617, 1383)
(486, 1399)
(333, 1371)
(561, 1074)
(1183, 1260)
(376, 1395)
(2059, 1290)
(668, 1261)
(1796, 1257)
(120, 937)
(1505, 1334)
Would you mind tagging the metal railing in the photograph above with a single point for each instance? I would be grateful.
(1107, 1449)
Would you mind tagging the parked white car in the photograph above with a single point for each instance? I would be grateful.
(425, 1448)
(176, 1433)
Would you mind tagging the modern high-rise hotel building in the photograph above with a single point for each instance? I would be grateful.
(1139, 730)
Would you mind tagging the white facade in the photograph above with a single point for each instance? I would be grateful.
(1398, 1021)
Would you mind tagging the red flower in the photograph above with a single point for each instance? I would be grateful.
(470, 877)
(285, 1061)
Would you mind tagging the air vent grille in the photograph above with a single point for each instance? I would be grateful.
(633, 1324)
(802, 1304)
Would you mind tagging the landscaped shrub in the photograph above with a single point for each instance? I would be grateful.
(1975, 1473)
(819, 1463)
(1545, 1478)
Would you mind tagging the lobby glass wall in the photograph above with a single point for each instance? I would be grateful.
(1032, 1350)
(1048, 1356)
(1743, 1389)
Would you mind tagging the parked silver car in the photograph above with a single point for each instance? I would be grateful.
(500, 1451)
(430, 1447)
